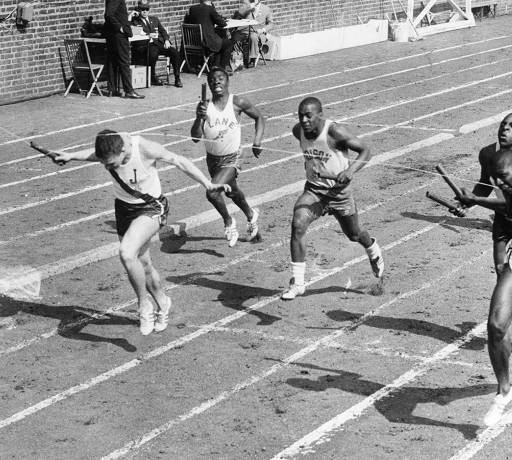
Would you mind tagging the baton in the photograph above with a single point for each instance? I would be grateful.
(203, 92)
(448, 180)
(46, 152)
(447, 204)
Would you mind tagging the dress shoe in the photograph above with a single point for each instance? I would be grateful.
(156, 82)
(134, 95)
(252, 63)
(178, 83)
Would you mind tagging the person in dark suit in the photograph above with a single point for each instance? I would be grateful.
(117, 30)
(205, 14)
(159, 43)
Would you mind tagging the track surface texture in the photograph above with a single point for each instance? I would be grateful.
(349, 370)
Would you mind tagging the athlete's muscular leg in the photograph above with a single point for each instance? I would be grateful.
(137, 236)
(153, 284)
(307, 208)
(228, 176)
(499, 254)
(351, 228)
(498, 329)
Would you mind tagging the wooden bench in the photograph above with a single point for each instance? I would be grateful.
(480, 6)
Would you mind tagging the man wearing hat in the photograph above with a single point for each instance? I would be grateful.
(159, 42)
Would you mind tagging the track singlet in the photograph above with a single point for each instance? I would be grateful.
(321, 157)
(222, 130)
(137, 176)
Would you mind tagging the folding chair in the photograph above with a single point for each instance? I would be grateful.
(192, 40)
(80, 62)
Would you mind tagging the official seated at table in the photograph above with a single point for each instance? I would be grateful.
(159, 43)
(253, 9)
(205, 14)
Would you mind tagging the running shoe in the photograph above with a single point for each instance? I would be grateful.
(497, 408)
(147, 319)
(378, 266)
(231, 233)
(293, 290)
(252, 225)
(162, 317)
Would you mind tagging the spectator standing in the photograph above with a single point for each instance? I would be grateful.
(117, 31)
(205, 14)
(159, 43)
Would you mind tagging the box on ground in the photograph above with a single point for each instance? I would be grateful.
(139, 76)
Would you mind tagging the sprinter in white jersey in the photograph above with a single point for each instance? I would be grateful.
(140, 209)
(329, 174)
(218, 122)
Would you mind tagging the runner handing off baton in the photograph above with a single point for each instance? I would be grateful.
(325, 146)
(141, 209)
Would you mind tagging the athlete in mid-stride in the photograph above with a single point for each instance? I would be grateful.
(140, 209)
(501, 228)
(218, 121)
(329, 174)
(499, 332)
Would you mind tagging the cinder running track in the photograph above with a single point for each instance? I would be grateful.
(346, 371)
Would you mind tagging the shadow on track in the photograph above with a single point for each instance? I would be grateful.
(396, 409)
(413, 326)
(451, 223)
(73, 320)
(231, 295)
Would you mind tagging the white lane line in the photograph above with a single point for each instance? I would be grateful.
(369, 112)
(324, 433)
(145, 113)
(479, 124)
(378, 77)
(427, 53)
(386, 352)
(149, 436)
(484, 438)
(283, 116)
(222, 322)
(248, 256)
(166, 125)
(111, 249)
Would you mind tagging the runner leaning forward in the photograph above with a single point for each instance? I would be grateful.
(140, 209)
(325, 145)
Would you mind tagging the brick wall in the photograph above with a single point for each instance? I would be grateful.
(32, 59)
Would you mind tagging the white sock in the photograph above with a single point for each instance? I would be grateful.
(298, 272)
(374, 251)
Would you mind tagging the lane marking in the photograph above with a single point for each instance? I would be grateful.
(24, 139)
(484, 438)
(223, 322)
(386, 352)
(378, 77)
(373, 111)
(277, 117)
(416, 371)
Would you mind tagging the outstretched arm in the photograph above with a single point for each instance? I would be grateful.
(247, 107)
(155, 151)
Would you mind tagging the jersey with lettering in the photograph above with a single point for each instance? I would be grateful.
(322, 158)
(222, 130)
(137, 176)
